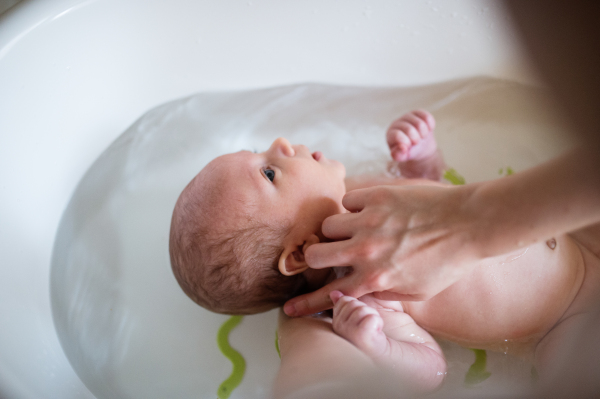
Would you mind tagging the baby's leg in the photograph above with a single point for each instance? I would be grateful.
(413, 147)
(573, 338)
(551, 348)
(390, 337)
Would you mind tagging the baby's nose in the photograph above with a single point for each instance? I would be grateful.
(283, 146)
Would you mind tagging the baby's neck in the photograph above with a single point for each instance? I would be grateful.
(317, 278)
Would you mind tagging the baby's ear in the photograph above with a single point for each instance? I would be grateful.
(292, 260)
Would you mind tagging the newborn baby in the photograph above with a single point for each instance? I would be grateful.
(241, 227)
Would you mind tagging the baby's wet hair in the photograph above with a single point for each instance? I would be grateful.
(230, 271)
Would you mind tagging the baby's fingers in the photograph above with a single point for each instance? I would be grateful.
(400, 154)
(358, 323)
(352, 313)
(411, 131)
(344, 307)
(399, 136)
(371, 322)
(417, 123)
(427, 117)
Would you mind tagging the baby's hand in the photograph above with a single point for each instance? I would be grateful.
(410, 138)
(360, 324)
(400, 346)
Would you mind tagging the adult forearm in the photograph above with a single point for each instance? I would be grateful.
(554, 198)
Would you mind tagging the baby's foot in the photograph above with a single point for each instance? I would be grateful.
(360, 324)
(411, 138)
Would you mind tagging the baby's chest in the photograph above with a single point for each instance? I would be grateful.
(515, 297)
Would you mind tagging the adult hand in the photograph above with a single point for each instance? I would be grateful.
(401, 241)
(411, 242)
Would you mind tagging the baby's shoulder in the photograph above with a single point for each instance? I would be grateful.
(588, 238)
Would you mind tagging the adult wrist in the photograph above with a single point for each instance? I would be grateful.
(475, 217)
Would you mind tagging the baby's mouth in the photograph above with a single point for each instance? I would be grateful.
(317, 155)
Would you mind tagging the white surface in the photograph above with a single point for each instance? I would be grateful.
(75, 74)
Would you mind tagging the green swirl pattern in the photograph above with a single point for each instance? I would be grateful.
(238, 361)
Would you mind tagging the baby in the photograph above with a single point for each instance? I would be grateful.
(241, 227)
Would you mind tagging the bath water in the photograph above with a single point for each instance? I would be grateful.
(124, 323)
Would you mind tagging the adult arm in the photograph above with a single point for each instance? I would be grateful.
(413, 242)
(563, 38)
(475, 221)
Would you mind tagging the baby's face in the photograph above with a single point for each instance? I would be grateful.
(285, 184)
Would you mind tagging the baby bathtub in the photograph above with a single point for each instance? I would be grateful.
(75, 74)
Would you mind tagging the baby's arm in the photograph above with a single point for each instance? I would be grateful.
(390, 337)
(413, 147)
(313, 355)
(317, 362)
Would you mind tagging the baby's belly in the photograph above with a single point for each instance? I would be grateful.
(507, 303)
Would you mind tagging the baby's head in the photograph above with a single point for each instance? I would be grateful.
(241, 226)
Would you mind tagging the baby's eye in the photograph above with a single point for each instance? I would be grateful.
(269, 173)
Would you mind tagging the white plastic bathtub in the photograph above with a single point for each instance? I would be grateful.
(75, 74)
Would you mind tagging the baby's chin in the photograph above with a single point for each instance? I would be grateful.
(342, 169)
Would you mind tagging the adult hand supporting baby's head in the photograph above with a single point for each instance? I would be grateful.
(401, 241)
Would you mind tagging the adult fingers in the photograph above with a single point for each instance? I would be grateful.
(355, 200)
(341, 226)
(319, 300)
(328, 254)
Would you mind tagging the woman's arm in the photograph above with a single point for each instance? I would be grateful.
(560, 196)
(413, 242)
